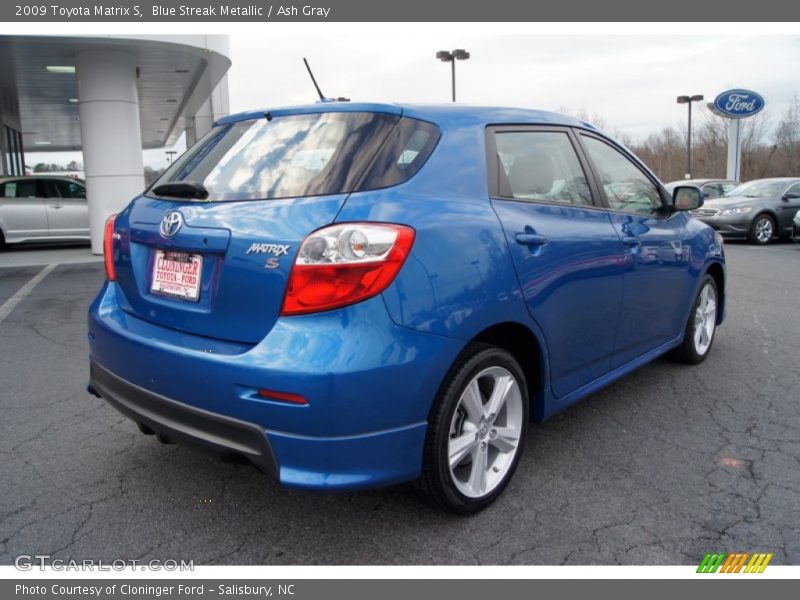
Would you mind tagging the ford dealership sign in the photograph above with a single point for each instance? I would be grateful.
(738, 104)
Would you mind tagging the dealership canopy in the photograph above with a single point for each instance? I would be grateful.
(111, 97)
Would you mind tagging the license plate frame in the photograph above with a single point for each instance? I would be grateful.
(177, 275)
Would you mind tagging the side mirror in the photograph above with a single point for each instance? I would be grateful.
(687, 197)
(790, 196)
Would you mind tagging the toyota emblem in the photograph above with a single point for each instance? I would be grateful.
(170, 224)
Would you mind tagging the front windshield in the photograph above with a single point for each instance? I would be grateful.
(758, 189)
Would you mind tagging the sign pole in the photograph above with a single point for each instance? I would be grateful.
(734, 170)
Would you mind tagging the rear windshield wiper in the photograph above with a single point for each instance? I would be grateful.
(182, 189)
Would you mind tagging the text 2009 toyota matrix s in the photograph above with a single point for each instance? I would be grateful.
(355, 295)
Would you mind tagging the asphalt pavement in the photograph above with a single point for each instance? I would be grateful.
(660, 468)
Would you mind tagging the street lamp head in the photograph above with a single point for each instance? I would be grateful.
(683, 99)
(696, 98)
(451, 57)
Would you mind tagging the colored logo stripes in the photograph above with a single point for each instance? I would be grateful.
(734, 563)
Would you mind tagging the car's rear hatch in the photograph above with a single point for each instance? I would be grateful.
(245, 251)
(220, 267)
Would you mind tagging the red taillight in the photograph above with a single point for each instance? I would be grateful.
(344, 264)
(108, 249)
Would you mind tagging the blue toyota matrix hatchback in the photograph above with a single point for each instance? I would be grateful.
(352, 295)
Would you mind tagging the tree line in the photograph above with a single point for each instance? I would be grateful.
(770, 146)
(54, 168)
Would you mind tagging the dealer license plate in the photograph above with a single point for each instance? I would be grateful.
(177, 274)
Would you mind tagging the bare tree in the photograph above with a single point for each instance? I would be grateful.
(768, 150)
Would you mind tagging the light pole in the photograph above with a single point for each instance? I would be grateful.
(688, 100)
(452, 57)
(170, 155)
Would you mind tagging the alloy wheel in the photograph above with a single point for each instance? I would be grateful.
(485, 432)
(705, 319)
(763, 230)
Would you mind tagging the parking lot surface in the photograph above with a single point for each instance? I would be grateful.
(660, 468)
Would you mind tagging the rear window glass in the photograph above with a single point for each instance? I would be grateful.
(296, 155)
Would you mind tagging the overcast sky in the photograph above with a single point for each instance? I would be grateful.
(630, 81)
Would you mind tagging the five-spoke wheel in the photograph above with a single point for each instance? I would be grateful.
(699, 332)
(485, 431)
(762, 230)
(476, 431)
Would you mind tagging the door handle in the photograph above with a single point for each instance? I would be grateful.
(55, 206)
(631, 241)
(531, 239)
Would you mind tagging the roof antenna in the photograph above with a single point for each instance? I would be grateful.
(314, 81)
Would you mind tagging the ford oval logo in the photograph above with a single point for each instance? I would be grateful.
(170, 224)
(738, 104)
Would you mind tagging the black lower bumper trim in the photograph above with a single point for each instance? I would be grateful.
(182, 423)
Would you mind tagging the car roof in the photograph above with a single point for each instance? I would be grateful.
(441, 114)
(698, 181)
(776, 179)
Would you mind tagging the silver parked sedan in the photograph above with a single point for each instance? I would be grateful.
(42, 208)
(758, 210)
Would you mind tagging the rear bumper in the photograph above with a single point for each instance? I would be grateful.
(182, 423)
(369, 385)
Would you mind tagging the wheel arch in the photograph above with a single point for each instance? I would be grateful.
(519, 341)
(765, 210)
(717, 272)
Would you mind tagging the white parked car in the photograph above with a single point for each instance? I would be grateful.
(42, 208)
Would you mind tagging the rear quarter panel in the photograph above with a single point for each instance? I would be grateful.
(459, 278)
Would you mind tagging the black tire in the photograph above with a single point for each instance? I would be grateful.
(687, 352)
(2, 242)
(754, 235)
(436, 481)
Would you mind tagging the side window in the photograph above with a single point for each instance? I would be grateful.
(712, 190)
(49, 188)
(25, 188)
(402, 155)
(794, 189)
(627, 188)
(540, 165)
(70, 189)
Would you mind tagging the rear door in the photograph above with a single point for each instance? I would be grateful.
(22, 210)
(658, 281)
(568, 257)
(67, 212)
